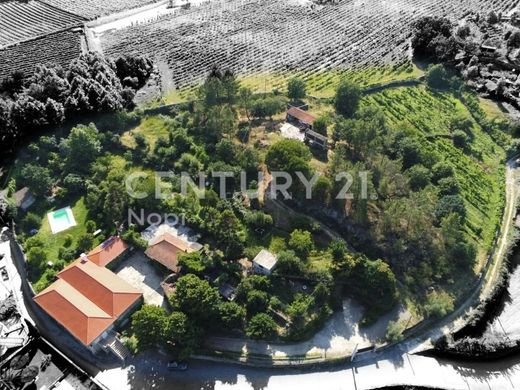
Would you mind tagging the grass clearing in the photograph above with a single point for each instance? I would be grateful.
(151, 128)
(319, 84)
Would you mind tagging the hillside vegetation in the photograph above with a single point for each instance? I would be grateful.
(426, 163)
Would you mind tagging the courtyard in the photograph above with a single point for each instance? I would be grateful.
(140, 273)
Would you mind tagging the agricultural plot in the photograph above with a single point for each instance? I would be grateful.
(20, 20)
(91, 9)
(297, 37)
(59, 48)
(479, 171)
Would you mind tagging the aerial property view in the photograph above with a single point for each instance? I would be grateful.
(259, 194)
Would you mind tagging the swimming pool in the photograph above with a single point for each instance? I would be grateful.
(61, 220)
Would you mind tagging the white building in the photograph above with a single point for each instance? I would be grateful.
(264, 262)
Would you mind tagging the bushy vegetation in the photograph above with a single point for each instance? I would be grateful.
(52, 94)
(420, 208)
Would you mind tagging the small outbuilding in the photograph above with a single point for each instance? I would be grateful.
(316, 139)
(23, 198)
(300, 118)
(264, 262)
(228, 292)
(488, 49)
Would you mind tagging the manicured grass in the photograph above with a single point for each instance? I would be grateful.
(151, 128)
(479, 170)
(53, 242)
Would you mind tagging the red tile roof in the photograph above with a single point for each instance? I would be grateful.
(107, 251)
(301, 115)
(165, 250)
(86, 299)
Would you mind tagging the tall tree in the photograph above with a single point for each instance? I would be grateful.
(347, 98)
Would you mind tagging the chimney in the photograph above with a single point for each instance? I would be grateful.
(83, 258)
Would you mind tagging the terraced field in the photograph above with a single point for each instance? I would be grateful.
(20, 21)
(59, 48)
(252, 36)
(91, 9)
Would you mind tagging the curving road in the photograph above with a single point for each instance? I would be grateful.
(398, 365)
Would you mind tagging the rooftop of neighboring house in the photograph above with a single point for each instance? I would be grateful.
(165, 249)
(301, 115)
(107, 251)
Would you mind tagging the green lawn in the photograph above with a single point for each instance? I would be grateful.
(53, 242)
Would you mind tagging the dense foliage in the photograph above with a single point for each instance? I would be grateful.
(91, 83)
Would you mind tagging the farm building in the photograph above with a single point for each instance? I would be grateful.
(88, 301)
(265, 262)
(300, 118)
(111, 249)
(166, 248)
(316, 139)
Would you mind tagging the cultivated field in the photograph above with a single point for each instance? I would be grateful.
(59, 48)
(20, 21)
(251, 36)
(91, 9)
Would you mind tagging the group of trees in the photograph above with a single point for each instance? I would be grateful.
(433, 39)
(91, 83)
(371, 282)
(197, 308)
(404, 201)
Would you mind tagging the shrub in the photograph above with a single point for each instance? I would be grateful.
(320, 125)
(261, 326)
(441, 170)
(429, 34)
(394, 332)
(437, 77)
(450, 204)
(258, 219)
(296, 88)
(31, 221)
(90, 226)
(301, 242)
(460, 139)
(289, 264)
(438, 304)
(419, 177)
(493, 18)
(448, 186)
(37, 257)
(257, 302)
(85, 242)
(348, 96)
(232, 315)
